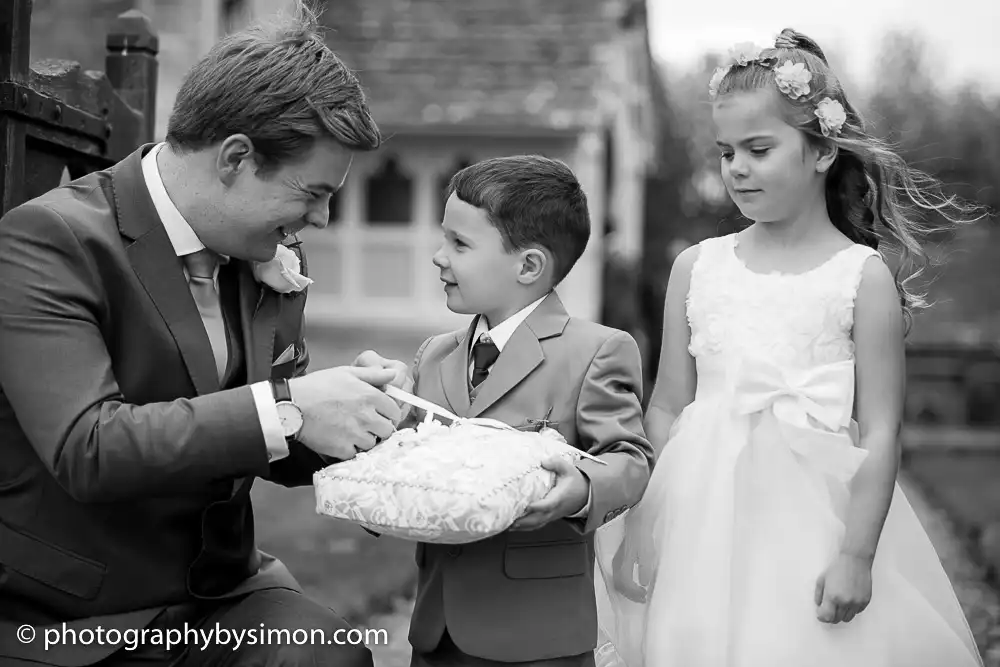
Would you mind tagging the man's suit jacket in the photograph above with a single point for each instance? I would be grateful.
(125, 469)
(524, 596)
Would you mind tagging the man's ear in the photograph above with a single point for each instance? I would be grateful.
(534, 261)
(236, 155)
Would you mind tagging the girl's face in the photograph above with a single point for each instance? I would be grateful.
(769, 168)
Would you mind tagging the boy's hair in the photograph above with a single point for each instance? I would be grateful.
(532, 201)
(869, 182)
(279, 84)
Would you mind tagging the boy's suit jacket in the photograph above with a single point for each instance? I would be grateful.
(125, 473)
(524, 596)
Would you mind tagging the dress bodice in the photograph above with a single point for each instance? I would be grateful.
(795, 322)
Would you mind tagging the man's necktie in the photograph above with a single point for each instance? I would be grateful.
(484, 354)
(201, 267)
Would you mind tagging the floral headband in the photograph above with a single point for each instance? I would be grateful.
(791, 78)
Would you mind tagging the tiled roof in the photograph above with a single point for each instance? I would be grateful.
(492, 64)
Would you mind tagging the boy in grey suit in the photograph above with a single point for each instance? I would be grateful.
(513, 228)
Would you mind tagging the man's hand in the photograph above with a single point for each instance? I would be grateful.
(345, 409)
(567, 497)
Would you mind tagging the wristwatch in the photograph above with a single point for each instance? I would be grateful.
(289, 414)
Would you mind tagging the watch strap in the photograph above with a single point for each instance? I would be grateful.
(282, 393)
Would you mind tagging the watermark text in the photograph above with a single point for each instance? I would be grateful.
(200, 637)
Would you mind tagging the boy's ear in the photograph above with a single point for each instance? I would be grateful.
(533, 263)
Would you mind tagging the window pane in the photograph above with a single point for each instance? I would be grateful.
(442, 185)
(334, 208)
(389, 196)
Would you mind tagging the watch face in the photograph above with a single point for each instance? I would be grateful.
(290, 417)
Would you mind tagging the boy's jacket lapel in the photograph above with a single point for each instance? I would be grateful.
(522, 354)
(455, 374)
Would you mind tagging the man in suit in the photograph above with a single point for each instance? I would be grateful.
(152, 365)
(513, 228)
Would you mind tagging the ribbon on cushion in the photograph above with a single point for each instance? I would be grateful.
(825, 393)
(433, 410)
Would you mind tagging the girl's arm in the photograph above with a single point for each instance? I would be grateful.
(675, 377)
(880, 378)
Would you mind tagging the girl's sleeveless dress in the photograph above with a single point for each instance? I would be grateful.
(745, 506)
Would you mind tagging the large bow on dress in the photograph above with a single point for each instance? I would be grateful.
(812, 407)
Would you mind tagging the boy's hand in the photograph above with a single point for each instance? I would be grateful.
(402, 379)
(567, 497)
(372, 359)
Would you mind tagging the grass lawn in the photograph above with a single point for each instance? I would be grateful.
(337, 563)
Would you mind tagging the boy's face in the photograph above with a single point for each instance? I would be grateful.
(479, 276)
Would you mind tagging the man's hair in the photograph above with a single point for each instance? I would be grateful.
(532, 201)
(279, 84)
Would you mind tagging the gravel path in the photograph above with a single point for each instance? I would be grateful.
(980, 601)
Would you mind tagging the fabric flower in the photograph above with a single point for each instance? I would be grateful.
(831, 116)
(282, 273)
(713, 85)
(744, 53)
(793, 79)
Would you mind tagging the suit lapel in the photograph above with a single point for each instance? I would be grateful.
(161, 272)
(522, 354)
(259, 311)
(455, 374)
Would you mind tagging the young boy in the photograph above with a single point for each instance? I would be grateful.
(513, 228)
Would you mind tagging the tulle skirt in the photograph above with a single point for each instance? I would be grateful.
(742, 515)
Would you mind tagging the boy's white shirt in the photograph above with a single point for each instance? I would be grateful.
(500, 335)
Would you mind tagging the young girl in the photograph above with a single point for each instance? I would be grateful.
(772, 532)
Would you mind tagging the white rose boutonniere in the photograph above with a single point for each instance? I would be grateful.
(282, 273)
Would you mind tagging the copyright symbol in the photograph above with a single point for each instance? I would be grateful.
(26, 634)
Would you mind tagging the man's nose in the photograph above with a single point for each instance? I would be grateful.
(319, 213)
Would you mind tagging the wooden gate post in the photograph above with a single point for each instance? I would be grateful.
(54, 117)
(15, 31)
(131, 67)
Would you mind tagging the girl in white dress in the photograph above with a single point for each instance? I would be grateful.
(773, 532)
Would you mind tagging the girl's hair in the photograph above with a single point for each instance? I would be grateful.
(872, 195)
